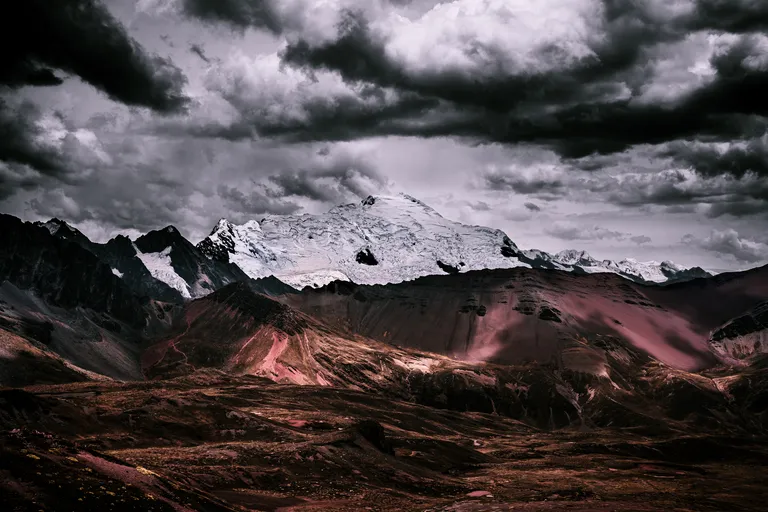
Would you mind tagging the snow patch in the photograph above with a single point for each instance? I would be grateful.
(117, 272)
(159, 265)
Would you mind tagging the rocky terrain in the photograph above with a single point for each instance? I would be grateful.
(155, 375)
(213, 442)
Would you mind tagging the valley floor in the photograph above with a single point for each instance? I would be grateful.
(213, 442)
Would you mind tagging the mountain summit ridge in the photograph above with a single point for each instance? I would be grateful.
(382, 239)
(393, 238)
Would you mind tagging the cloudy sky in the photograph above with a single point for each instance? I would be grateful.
(623, 127)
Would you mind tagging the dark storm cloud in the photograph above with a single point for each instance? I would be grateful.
(731, 15)
(31, 156)
(686, 192)
(522, 183)
(674, 190)
(344, 119)
(295, 106)
(737, 160)
(17, 140)
(241, 14)
(360, 56)
(81, 37)
(256, 202)
(718, 111)
(576, 103)
(730, 244)
(78, 37)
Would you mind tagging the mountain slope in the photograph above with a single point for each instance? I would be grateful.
(161, 264)
(383, 239)
(518, 315)
(744, 336)
(63, 273)
(244, 332)
(173, 260)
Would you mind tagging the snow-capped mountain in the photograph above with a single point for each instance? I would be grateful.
(173, 260)
(642, 272)
(388, 239)
(384, 239)
(161, 264)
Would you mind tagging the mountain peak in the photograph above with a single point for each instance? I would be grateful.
(222, 225)
(573, 256)
(55, 224)
(382, 239)
(61, 229)
(160, 239)
(402, 203)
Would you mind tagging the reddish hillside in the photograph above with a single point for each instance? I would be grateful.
(243, 332)
(519, 315)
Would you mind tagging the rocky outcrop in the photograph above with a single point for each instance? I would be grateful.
(63, 273)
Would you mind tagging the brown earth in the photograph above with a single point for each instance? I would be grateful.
(522, 315)
(497, 390)
(210, 441)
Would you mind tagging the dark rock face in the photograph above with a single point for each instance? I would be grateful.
(549, 313)
(121, 255)
(62, 272)
(189, 262)
(508, 248)
(373, 432)
(756, 320)
(366, 257)
(685, 275)
(261, 309)
(448, 269)
(507, 252)
(224, 247)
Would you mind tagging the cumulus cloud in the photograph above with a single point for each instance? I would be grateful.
(150, 181)
(541, 181)
(573, 231)
(580, 76)
(730, 244)
(625, 184)
(735, 158)
(270, 99)
(334, 179)
(36, 147)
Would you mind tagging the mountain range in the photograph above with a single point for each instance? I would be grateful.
(384, 239)
(379, 344)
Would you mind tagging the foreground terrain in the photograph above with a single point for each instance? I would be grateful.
(213, 442)
(506, 389)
